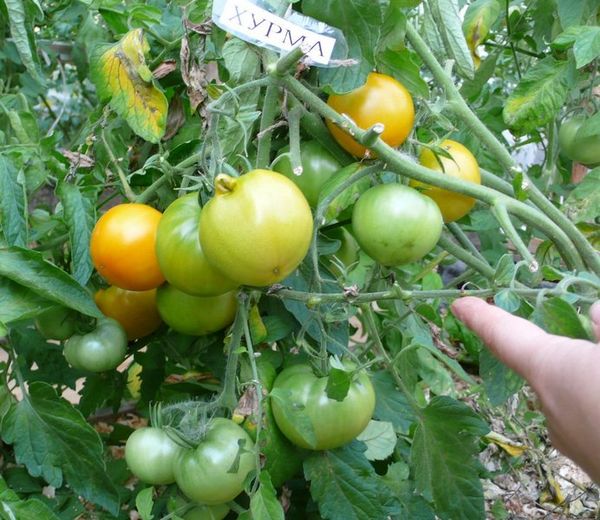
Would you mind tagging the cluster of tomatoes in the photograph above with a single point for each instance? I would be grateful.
(183, 267)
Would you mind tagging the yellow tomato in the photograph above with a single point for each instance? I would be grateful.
(463, 165)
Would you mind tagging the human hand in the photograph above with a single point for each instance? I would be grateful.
(563, 372)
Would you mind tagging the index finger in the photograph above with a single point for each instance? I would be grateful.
(515, 341)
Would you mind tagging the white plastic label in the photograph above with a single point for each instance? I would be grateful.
(245, 19)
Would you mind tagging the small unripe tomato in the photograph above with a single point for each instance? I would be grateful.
(122, 247)
(382, 99)
(462, 165)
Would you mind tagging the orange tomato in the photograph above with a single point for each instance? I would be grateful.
(122, 246)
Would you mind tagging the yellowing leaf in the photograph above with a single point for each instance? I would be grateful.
(514, 449)
(122, 76)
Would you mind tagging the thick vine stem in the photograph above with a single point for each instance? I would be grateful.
(397, 293)
(459, 106)
(227, 397)
(401, 164)
(465, 256)
(270, 110)
(503, 218)
(464, 240)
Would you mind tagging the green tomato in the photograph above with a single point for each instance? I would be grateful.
(150, 454)
(214, 472)
(57, 323)
(195, 315)
(180, 254)
(318, 165)
(584, 150)
(395, 224)
(192, 511)
(334, 423)
(102, 349)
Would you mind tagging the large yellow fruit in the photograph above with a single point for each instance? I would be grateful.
(257, 228)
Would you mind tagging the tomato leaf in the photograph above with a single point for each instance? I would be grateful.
(264, 503)
(570, 13)
(411, 505)
(19, 303)
(557, 316)
(539, 96)
(55, 442)
(391, 405)
(144, 502)
(380, 439)
(583, 203)
(361, 21)
(31, 508)
(13, 203)
(499, 381)
(344, 484)
(28, 268)
(585, 41)
(121, 75)
(404, 66)
(479, 18)
(338, 380)
(23, 38)
(448, 23)
(78, 212)
(444, 458)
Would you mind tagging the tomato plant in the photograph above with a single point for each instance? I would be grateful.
(195, 315)
(101, 349)
(395, 224)
(257, 228)
(318, 165)
(144, 139)
(135, 310)
(462, 165)
(122, 247)
(585, 150)
(150, 454)
(214, 472)
(332, 423)
(382, 99)
(179, 252)
(57, 323)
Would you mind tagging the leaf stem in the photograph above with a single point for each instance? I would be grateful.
(270, 110)
(503, 218)
(129, 194)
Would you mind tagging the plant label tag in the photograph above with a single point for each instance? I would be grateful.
(256, 25)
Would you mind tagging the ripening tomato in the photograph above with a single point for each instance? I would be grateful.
(462, 165)
(318, 165)
(381, 99)
(298, 391)
(195, 315)
(395, 224)
(150, 454)
(122, 246)
(180, 254)
(135, 310)
(257, 228)
(103, 348)
(214, 472)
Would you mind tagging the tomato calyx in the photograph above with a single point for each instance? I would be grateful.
(224, 184)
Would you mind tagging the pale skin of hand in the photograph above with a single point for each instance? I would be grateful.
(563, 372)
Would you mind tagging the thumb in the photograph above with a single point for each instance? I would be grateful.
(517, 342)
(595, 317)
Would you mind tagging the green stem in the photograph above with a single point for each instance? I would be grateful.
(462, 110)
(503, 218)
(129, 194)
(270, 110)
(397, 293)
(464, 240)
(244, 301)
(373, 333)
(514, 48)
(460, 254)
(313, 125)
